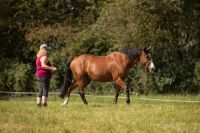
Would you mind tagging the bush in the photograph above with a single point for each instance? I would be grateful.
(196, 80)
(91, 42)
(20, 76)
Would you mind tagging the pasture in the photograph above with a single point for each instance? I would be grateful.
(101, 116)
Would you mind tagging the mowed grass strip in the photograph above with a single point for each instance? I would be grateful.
(100, 116)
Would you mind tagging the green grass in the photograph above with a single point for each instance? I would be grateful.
(101, 116)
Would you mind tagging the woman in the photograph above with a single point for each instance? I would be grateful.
(44, 70)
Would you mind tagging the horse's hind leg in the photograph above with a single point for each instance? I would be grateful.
(82, 94)
(82, 85)
(74, 85)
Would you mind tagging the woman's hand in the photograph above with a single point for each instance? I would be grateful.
(54, 69)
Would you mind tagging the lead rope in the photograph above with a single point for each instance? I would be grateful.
(143, 77)
(145, 80)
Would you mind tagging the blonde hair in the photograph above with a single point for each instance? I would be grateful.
(42, 52)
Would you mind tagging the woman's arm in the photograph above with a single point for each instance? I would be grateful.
(44, 64)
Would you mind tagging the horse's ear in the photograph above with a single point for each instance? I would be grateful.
(149, 48)
(145, 49)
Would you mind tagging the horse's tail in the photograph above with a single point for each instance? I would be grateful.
(67, 79)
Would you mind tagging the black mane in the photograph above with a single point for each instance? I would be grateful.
(130, 52)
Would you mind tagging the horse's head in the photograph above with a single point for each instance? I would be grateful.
(146, 59)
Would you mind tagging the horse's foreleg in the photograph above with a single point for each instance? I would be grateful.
(74, 85)
(117, 91)
(127, 96)
(82, 85)
(121, 83)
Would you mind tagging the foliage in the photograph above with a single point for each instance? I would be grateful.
(169, 27)
(196, 79)
(15, 76)
(91, 43)
(96, 27)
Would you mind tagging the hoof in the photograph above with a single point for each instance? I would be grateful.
(44, 104)
(63, 104)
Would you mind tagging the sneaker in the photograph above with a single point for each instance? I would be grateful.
(44, 104)
(39, 105)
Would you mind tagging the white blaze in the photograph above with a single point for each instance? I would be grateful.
(151, 66)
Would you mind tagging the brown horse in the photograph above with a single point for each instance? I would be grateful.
(111, 68)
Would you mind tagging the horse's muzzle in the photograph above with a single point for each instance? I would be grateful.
(151, 67)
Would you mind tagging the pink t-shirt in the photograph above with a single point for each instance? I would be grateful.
(40, 71)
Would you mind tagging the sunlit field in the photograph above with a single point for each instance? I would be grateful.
(101, 116)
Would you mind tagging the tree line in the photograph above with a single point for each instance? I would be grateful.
(74, 27)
